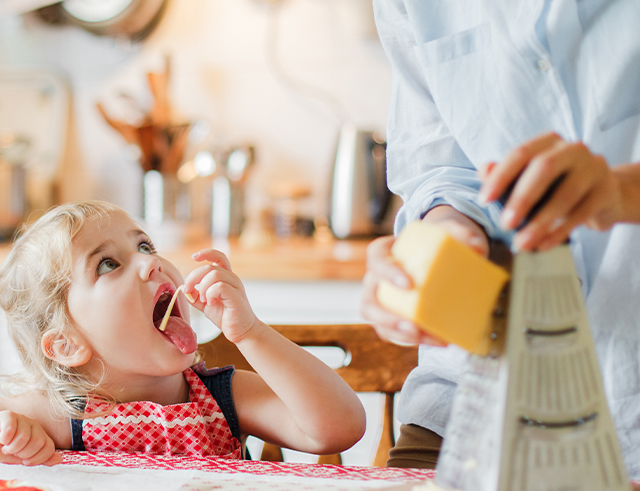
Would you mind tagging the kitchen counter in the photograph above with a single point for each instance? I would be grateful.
(302, 259)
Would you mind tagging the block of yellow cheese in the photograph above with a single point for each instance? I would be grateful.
(455, 289)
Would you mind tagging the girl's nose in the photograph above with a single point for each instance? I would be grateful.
(149, 265)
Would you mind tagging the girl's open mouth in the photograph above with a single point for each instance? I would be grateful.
(161, 307)
(177, 329)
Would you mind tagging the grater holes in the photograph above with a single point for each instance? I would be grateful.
(557, 383)
(586, 461)
(550, 301)
(611, 464)
(590, 374)
(602, 465)
(556, 386)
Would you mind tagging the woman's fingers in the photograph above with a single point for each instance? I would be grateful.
(388, 325)
(542, 172)
(381, 267)
(498, 180)
(558, 216)
(472, 238)
(395, 329)
(381, 264)
(461, 227)
(578, 216)
(578, 188)
(485, 170)
(370, 309)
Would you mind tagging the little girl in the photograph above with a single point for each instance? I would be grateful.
(84, 292)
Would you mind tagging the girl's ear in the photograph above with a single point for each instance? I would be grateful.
(68, 349)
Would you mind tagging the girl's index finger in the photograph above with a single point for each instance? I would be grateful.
(213, 256)
(195, 277)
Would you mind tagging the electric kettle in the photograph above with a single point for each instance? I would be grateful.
(360, 197)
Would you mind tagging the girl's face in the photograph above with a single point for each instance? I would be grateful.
(117, 283)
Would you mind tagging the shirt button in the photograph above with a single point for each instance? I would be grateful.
(543, 65)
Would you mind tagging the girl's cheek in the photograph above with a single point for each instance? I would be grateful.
(173, 273)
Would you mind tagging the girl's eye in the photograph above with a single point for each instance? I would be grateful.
(146, 248)
(106, 266)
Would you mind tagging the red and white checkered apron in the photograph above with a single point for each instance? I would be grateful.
(195, 428)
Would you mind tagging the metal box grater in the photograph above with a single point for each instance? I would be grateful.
(533, 415)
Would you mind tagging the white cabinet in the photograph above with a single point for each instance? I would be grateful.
(296, 302)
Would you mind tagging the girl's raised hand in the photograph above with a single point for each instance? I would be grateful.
(220, 295)
(24, 441)
(590, 192)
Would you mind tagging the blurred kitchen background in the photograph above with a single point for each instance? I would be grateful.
(280, 77)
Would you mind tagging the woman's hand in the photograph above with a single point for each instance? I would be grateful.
(24, 441)
(590, 193)
(382, 266)
(220, 295)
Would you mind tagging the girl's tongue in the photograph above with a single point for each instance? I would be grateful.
(181, 334)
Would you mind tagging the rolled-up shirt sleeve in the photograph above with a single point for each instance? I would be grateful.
(426, 166)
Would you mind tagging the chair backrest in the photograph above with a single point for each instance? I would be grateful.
(371, 365)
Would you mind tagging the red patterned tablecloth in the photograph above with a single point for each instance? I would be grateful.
(141, 472)
(257, 468)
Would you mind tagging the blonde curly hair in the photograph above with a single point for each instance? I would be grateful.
(34, 284)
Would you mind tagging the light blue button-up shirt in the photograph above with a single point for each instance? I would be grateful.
(473, 79)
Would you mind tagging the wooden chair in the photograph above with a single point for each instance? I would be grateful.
(371, 365)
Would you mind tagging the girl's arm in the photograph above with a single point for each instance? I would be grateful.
(29, 433)
(293, 400)
(297, 401)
